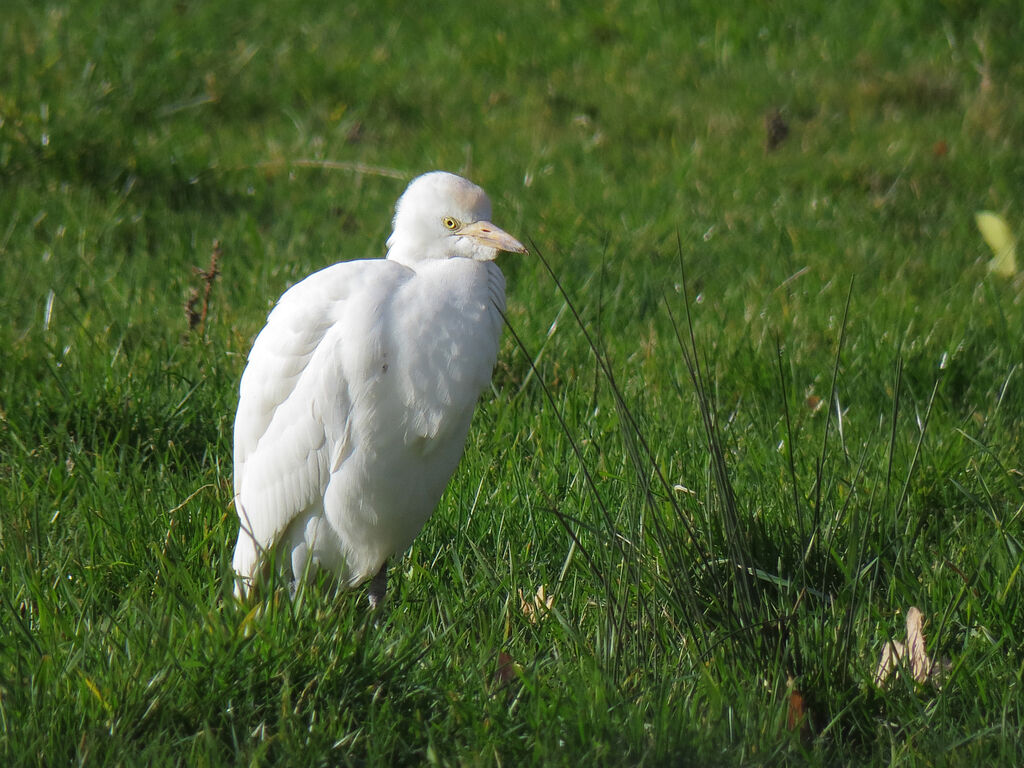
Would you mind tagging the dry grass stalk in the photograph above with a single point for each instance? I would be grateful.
(197, 316)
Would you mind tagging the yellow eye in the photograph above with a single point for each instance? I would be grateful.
(450, 223)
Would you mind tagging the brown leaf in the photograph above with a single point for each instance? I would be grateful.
(507, 670)
(798, 715)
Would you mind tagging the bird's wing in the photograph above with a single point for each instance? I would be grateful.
(295, 398)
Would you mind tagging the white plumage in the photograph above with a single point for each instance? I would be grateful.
(357, 398)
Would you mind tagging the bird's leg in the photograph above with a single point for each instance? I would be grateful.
(379, 586)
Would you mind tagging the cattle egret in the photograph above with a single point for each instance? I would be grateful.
(356, 401)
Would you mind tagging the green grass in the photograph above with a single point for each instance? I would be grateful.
(626, 141)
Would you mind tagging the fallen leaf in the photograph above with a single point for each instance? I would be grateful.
(923, 669)
(920, 664)
(999, 237)
(797, 716)
(507, 669)
(536, 608)
(795, 713)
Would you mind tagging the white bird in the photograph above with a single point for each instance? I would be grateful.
(358, 394)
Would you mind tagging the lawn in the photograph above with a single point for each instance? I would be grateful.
(759, 395)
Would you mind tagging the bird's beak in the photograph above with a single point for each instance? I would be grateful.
(485, 233)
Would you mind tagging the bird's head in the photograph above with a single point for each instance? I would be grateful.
(443, 216)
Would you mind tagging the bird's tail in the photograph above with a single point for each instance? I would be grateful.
(245, 559)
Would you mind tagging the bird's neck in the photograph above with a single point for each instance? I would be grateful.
(413, 255)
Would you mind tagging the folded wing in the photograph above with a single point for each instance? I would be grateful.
(292, 427)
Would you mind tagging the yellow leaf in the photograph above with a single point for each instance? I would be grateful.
(997, 234)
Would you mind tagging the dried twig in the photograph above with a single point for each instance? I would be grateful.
(197, 317)
(776, 129)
